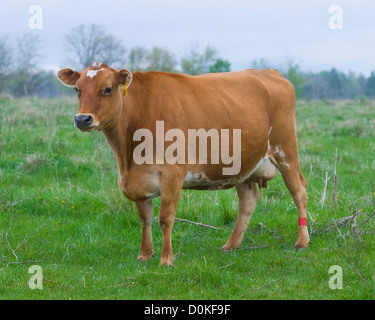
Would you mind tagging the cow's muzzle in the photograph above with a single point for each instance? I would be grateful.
(84, 122)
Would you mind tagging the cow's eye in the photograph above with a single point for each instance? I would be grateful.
(107, 91)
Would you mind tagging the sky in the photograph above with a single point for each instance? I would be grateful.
(241, 31)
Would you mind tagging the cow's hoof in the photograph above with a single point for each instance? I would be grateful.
(228, 247)
(302, 238)
(144, 257)
(166, 261)
(299, 247)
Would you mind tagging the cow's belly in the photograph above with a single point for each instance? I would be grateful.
(145, 184)
(265, 169)
(199, 181)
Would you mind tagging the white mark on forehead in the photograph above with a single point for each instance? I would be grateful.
(92, 73)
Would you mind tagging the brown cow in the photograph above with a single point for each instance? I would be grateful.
(260, 105)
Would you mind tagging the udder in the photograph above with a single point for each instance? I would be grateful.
(265, 170)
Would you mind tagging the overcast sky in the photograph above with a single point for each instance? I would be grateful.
(240, 30)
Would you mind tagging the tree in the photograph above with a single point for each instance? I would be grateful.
(138, 58)
(112, 52)
(6, 54)
(361, 84)
(370, 86)
(157, 58)
(23, 82)
(261, 64)
(199, 63)
(350, 85)
(28, 52)
(334, 84)
(90, 43)
(295, 77)
(220, 66)
(161, 59)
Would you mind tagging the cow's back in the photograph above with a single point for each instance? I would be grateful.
(209, 100)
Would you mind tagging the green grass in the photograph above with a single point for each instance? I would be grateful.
(61, 209)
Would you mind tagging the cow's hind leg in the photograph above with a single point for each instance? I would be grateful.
(145, 214)
(288, 165)
(248, 196)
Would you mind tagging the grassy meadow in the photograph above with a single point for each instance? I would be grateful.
(61, 209)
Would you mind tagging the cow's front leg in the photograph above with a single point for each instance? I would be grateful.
(145, 215)
(170, 195)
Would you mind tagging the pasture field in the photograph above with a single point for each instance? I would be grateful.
(61, 209)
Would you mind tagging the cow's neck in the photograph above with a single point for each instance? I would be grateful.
(120, 137)
(117, 137)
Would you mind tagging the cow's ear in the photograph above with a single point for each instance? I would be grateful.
(68, 76)
(124, 76)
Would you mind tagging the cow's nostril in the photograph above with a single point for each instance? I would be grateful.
(88, 121)
(83, 119)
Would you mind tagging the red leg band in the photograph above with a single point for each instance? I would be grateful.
(302, 222)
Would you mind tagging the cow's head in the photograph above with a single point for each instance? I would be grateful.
(99, 90)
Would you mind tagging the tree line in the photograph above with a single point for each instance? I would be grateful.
(21, 74)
